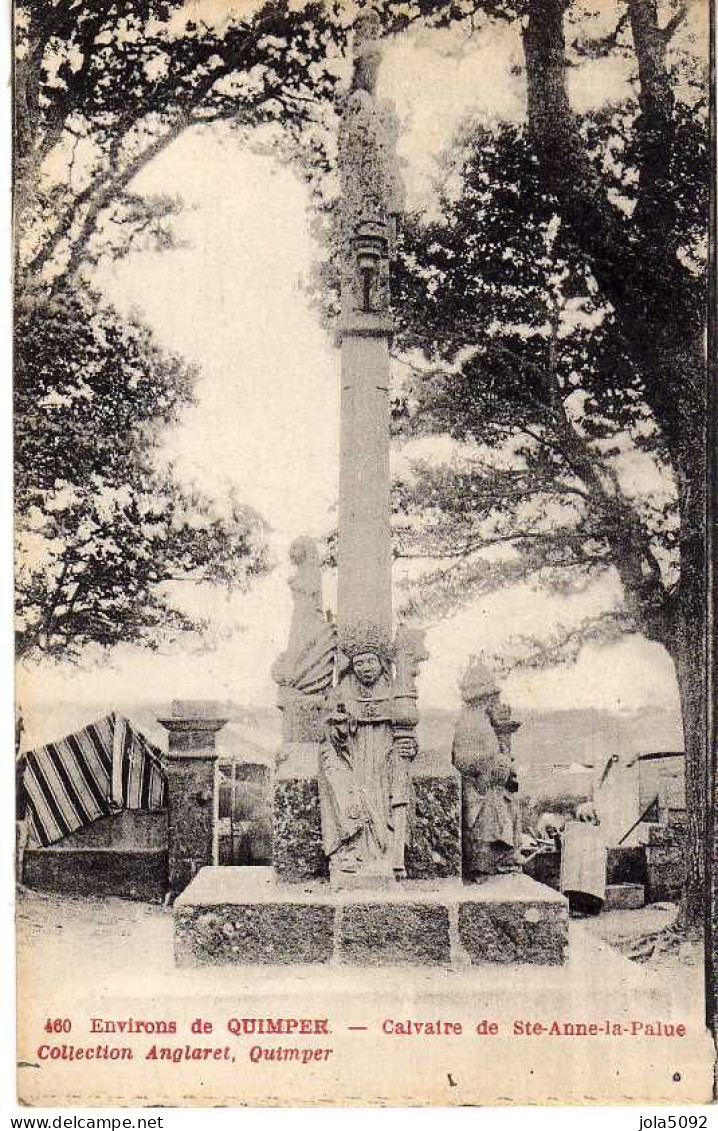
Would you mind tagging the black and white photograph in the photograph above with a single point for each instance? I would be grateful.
(364, 465)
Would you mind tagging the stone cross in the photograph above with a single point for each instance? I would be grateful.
(365, 780)
(368, 701)
(371, 201)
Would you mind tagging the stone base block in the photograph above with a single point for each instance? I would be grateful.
(297, 831)
(624, 897)
(434, 843)
(513, 919)
(95, 871)
(394, 933)
(244, 916)
(434, 848)
(665, 864)
(237, 916)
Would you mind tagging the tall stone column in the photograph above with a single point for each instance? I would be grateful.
(370, 204)
(190, 768)
(365, 786)
(364, 582)
(344, 779)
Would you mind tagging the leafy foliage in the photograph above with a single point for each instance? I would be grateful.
(561, 470)
(102, 89)
(624, 195)
(104, 535)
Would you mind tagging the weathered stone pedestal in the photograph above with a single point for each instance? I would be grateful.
(190, 769)
(433, 848)
(513, 919)
(243, 916)
(297, 840)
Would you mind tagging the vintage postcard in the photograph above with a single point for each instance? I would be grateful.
(361, 474)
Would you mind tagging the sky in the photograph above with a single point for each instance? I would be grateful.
(231, 300)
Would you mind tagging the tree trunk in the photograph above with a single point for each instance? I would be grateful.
(544, 43)
(691, 673)
(682, 374)
(711, 889)
(661, 321)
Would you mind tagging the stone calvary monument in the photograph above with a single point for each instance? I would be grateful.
(377, 846)
(343, 793)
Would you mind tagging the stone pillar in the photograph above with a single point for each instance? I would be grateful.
(364, 581)
(190, 768)
(371, 202)
(297, 852)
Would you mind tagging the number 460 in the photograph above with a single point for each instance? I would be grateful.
(58, 1025)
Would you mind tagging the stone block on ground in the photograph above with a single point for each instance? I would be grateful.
(394, 933)
(244, 916)
(512, 919)
(624, 897)
(102, 872)
(434, 846)
(238, 916)
(665, 864)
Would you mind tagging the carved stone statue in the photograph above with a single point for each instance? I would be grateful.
(369, 743)
(306, 667)
(364, 777)
(491, 821)
(372, 191)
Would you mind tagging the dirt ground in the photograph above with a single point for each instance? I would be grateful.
(83, 958)
(651, 935)
(106, 935)
(62, 927)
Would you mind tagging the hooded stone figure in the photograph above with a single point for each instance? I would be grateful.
(491, 820)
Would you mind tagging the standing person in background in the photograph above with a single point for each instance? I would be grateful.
(583, 862)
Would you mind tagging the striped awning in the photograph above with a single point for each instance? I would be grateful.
(105, 767)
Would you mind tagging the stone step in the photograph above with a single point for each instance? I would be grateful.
(243, 916)
(624, 897)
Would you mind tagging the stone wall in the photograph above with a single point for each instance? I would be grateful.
(130, 874)
(124, 855)
(434, 844)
